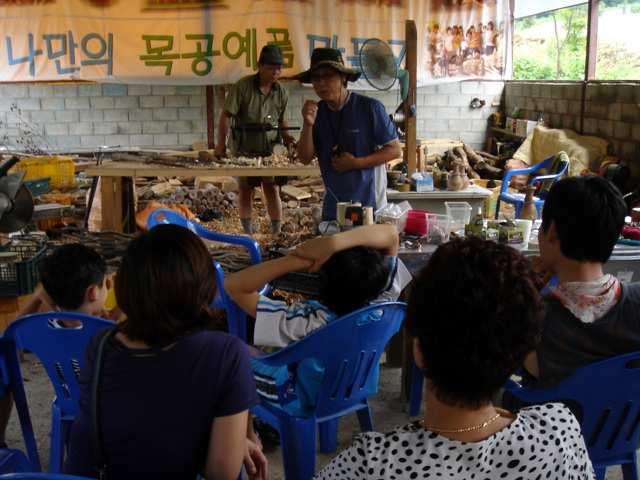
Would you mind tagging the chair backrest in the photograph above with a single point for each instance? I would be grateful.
(164, 216)
(349, 348)
(607, 397)
(60, 350)
(40, 476)
(557, 167)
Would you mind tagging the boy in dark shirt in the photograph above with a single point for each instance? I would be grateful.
(590, 315)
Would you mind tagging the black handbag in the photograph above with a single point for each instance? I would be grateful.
(96, 427)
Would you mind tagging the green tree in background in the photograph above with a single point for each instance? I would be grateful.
(570, 42)
(552, 45)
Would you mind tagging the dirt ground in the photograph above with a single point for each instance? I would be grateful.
(388, 412)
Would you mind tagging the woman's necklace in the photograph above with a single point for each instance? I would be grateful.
(499, 413)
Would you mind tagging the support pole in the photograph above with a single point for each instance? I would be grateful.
(411, 64)
(211, 108)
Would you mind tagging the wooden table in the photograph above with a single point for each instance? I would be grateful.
(117, 191)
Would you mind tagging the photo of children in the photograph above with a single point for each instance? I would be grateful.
(465, 38)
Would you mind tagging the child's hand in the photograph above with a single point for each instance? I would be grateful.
(318, 250)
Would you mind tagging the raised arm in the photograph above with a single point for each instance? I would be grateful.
(39, 300)
(243, 286)
(379, 237)
(306, 149)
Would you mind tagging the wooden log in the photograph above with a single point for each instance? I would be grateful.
(481, 164)
(162, 189)
(460, 152)
(488, 156)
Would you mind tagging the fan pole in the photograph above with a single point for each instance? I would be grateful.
(411, 65)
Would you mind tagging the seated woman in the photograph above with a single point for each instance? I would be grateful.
(475, 313)
(173, 396)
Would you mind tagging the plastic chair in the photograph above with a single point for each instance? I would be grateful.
(606, 395)
(41, 476)
(517, 199)
(349, 348)
(236, 318)
(12, 460)
(62, 353)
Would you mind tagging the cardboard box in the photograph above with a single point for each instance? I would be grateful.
(510, 124)
(525, 127)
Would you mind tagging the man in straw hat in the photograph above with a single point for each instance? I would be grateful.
(257, 98)
(351, 134)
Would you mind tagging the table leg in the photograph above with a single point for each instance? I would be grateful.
(112, 204)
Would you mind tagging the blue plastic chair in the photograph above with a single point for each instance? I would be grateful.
(349, 348)
(41, 476)
(517, 199)
(62, 353)
(236, 317)
(606, 395)
(12, 460)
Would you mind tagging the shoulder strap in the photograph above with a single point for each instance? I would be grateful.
(96, 427)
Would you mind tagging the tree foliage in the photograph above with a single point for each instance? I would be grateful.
(562, 55)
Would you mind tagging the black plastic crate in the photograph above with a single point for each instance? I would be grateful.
(20, 276)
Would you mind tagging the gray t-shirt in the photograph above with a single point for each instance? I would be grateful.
(568, 343)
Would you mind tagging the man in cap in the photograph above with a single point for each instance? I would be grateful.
(351, 134)
(257, 99)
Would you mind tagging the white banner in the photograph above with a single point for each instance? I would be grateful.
(218, 41)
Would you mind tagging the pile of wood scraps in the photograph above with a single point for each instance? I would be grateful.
(475, 164)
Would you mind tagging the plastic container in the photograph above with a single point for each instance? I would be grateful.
(438, 228)
(60, 168)
(526, 227)
(39, 186)
(460, 214)
(19, 272)
(491, 201)
(416, 223)
(394, 214)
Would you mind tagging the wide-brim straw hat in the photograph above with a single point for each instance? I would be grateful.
(327, 57)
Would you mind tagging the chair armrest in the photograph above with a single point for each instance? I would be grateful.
(541, 178)
(247, 242)
(175, 218)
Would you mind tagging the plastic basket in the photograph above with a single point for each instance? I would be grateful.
(39, 186)
(61, 169)
(19, 276)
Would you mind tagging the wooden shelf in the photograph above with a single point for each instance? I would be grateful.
(133, 169)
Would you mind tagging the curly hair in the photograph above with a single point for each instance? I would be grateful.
(476, 312)
(164, 285)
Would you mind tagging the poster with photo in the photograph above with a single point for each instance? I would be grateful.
(203, 42)
(465, 38)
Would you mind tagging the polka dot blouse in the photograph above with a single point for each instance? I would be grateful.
(543, 442)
